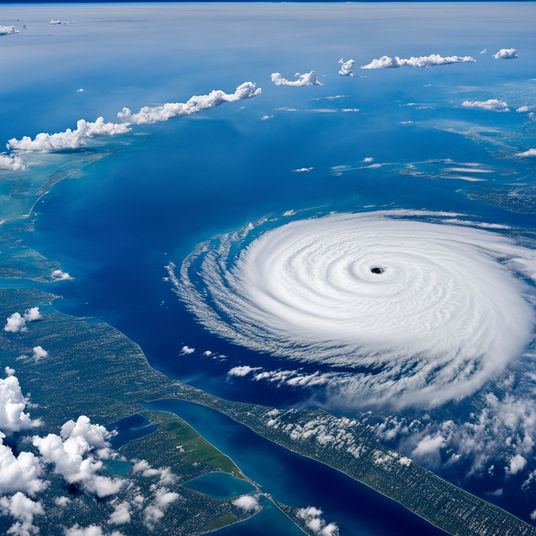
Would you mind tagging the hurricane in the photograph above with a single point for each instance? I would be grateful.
(411, 308)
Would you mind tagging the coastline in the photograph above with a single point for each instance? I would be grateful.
(156, 386)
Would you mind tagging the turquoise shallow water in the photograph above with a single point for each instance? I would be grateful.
(269, 519)
(220, 485)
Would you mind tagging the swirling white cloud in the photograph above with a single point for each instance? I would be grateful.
(420, 312)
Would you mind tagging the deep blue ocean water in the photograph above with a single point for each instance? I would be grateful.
(169, 186)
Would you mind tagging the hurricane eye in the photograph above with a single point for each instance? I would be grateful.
(377, 270)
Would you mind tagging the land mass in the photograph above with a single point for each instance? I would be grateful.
(95, 370)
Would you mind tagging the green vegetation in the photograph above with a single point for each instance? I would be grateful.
(223, 521)
(94, 370)
(192, 446)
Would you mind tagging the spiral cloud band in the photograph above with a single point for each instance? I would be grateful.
(413, 310)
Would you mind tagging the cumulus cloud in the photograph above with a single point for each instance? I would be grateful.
(303, 80)
(243, 370)
(405, 461)
(154, 511)
(57, 22)
(506, 54)
(198, 103)
(77, 455)
(32, 314)
(164, 474)
(525, 108)
(22, 509)
(346, 67)
(120, 515)
(498, 436)
(516, 465)
(13, 417)
(303, 170)
(530, 153)
(247, 503)
(8, 30)
(493, 105)
(87, 130)
(90, 530)
(314, 521)
(60, 275)
(38, 353)
(386, 62)
(69, 139)
(17, 322)
(429, 446)
(12, 163)
(61, 501)
(187, 350)
(19, 473)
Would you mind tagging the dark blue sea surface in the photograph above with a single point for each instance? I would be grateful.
(116, 223)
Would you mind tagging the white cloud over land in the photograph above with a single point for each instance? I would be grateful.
(13, 415)
(87, 130)
(17, 322)
(38, 353)
(313, 519)
(302, 80)
(386, 62)
(22, 509)
(247, 503)
(77, 455)
(19, 473)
